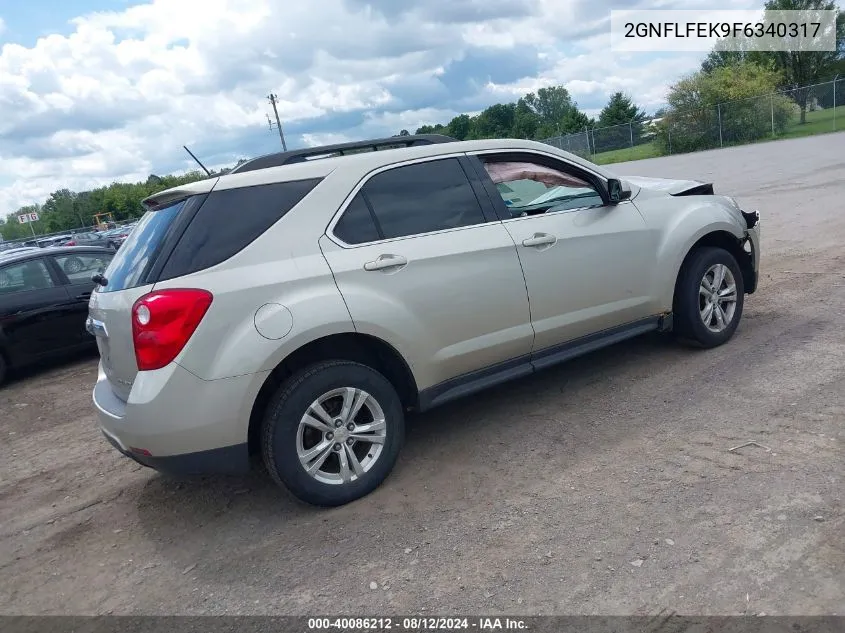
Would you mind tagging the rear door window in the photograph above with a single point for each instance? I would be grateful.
(422, 198)
(80, 267)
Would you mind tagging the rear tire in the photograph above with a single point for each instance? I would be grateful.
(709, 298)
(341, 420)
(3, 369)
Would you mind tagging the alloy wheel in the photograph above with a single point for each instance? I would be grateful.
(717, 297)
(341, 436)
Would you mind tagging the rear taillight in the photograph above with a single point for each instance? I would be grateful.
(71, 243)
(162, 323)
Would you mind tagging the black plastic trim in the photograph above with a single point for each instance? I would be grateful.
(229, 460)
(372, 211)
(470, 171)
(481, 379)
(475, 381)
(493, 196)
(752, 218)
(586, 344)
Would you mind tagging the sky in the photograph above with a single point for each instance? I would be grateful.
(97, 91)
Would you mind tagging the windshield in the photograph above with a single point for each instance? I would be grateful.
(134, 259)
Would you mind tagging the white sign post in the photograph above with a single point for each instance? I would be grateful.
(28, 218)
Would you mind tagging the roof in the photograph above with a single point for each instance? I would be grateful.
(361, 160)
(5, 257)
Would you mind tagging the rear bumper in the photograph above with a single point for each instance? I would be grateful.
(228, 460)
(178, 423)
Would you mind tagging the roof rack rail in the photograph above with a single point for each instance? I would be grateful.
(340, 149)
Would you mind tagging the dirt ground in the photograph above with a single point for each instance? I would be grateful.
(601, 487)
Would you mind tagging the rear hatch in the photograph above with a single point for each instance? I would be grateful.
(126, 280)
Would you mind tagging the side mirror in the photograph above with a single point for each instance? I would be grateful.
(618, 190)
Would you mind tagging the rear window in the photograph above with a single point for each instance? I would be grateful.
(132, 262)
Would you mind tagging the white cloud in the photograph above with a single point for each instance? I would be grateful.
(118, 96)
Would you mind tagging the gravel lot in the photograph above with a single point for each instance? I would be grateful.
(603, 486)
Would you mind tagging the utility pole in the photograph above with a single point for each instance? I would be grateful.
(273, 98)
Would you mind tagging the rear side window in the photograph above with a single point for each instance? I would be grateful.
(228, 221)
(423, 197)
(356, 225)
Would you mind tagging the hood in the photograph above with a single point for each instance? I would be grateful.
(671, 186)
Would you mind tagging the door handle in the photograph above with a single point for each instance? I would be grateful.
(540, 239)
(84, 295)
(384, 262)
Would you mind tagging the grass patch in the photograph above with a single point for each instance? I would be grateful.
(638, 152)
(818, 122)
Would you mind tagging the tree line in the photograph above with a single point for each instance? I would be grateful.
(549, 112)
(66, 210)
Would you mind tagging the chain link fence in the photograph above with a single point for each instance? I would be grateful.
(799, 112)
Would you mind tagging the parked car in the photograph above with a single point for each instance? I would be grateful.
(44, 302)
(118, 235)
(91, 239)
(53, 240)
(354, 289)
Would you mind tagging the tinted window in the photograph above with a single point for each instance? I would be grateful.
(80, 267)
(356, 225)
(228, 221)
(130, 265)
(30, 275)
(424, 197)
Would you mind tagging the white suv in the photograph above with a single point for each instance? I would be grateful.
(300, 306)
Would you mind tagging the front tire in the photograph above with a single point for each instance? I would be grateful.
(709, 298)
(332, 432)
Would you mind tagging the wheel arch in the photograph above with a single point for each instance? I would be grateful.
(362, 348)
(728, 241)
